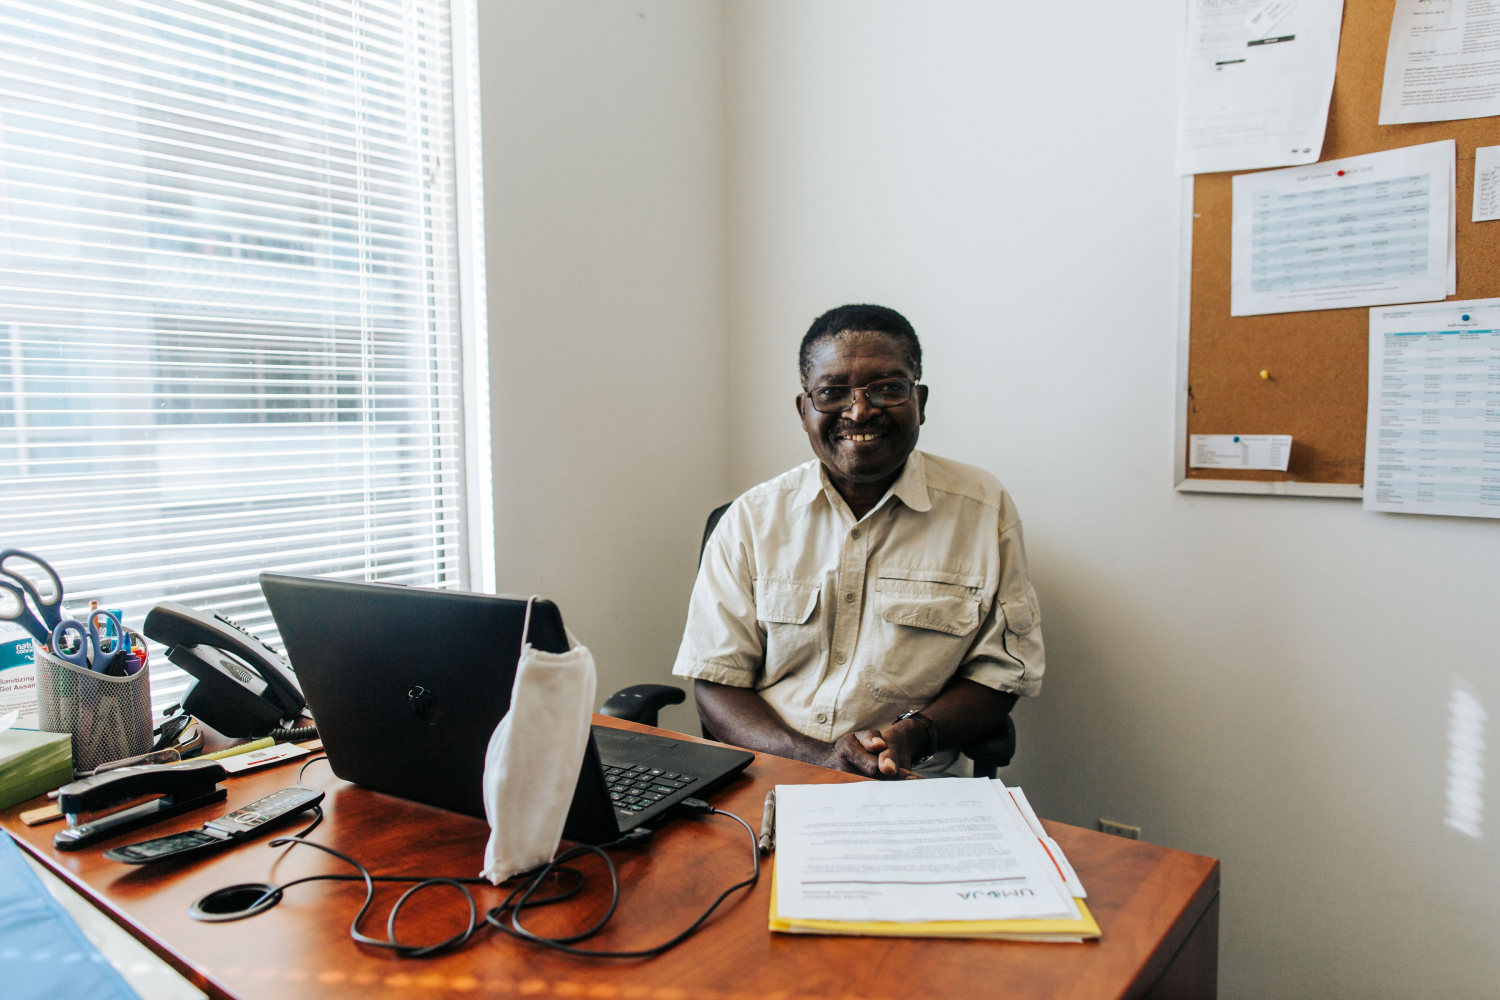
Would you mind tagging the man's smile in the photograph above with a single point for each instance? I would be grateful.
(861, 435)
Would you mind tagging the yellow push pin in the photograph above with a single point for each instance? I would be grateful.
(1264, 374)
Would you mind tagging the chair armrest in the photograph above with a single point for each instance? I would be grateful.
(641, 702)
(995, 749)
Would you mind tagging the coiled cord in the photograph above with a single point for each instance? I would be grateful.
(523, 897)
(495, 917)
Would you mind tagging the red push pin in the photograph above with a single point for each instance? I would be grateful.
(1341, 173)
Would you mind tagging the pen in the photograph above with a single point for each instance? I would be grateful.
(767, 840)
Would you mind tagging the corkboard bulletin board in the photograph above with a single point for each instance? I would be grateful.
(1318, 361)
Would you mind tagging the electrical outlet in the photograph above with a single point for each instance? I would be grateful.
(1119, 829)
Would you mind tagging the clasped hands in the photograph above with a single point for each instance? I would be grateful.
(886, 754)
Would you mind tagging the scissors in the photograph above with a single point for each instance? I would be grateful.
(112, 663)
(47, 615)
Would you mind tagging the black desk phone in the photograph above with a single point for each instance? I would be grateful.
(241, 685)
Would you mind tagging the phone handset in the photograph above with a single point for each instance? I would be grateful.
(241, 685)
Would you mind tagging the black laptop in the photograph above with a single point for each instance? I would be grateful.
(407, 685)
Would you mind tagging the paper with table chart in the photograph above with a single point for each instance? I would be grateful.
(1256, 82)
(1363, 231)
(1432, 435)
(1486, 184)
(1240, 451)
(908, 851)
(1442, 62)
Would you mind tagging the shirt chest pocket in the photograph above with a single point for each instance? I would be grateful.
(925, 627)
(787, 611)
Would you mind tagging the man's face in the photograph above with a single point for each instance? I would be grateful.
(862, 444)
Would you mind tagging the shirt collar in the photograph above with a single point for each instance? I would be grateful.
(812, 486)
(910, 488)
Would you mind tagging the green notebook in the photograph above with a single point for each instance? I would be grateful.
(32, 763)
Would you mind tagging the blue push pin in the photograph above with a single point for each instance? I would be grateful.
(1236, 439)
(1465, 317)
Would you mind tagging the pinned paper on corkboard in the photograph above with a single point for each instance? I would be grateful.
(1305, 374)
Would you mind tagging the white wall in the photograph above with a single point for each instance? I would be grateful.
(1261, 680)
(603, 150)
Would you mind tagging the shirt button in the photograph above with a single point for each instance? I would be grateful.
(854, 533)
(848, 598)
(841, 657)
(821, 718)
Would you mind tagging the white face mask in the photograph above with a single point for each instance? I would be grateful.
(534, 756)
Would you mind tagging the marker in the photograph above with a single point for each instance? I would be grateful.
(119, 615)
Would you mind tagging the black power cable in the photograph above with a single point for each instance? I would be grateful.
(564, 944)
(523, 897)
(305, 764)
(390, 943)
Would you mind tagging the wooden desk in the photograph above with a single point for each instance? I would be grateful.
(1158, 909)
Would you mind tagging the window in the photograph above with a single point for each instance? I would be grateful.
(231, 331)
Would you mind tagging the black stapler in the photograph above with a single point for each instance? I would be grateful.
(183, 786)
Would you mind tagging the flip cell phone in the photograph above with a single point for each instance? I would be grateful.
(238, 825)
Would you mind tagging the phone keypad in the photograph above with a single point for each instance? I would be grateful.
(272, 807)
(251, 635)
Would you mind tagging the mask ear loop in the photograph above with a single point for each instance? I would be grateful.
(526, 622)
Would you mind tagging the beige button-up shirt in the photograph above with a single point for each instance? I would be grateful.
(843, 625)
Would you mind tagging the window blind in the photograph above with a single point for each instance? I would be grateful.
(229, 336)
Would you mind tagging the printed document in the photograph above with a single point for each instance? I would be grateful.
(1053, 848)
(1487, 183)
(1256, 82)
(1240, 451)
(1431, 439)
(908, 851)
(1442, 62)
(1368, 230)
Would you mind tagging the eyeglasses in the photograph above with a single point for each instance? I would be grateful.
(838, 398)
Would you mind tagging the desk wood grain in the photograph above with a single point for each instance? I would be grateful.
(1153, 904)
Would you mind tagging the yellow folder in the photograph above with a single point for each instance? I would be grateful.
(996, 930)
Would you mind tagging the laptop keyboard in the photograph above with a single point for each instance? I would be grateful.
(634, 787)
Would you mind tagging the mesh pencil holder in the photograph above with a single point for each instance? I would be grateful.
(109, 717)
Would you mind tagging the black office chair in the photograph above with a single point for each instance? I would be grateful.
(641, 702)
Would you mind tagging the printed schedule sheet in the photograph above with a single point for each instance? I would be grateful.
(1363, 231)
(1432, 435)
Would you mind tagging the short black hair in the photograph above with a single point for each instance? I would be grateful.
(861, 319)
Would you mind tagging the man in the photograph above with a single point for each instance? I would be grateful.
(870, 610)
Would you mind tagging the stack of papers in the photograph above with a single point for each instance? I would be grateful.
(952, 857)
